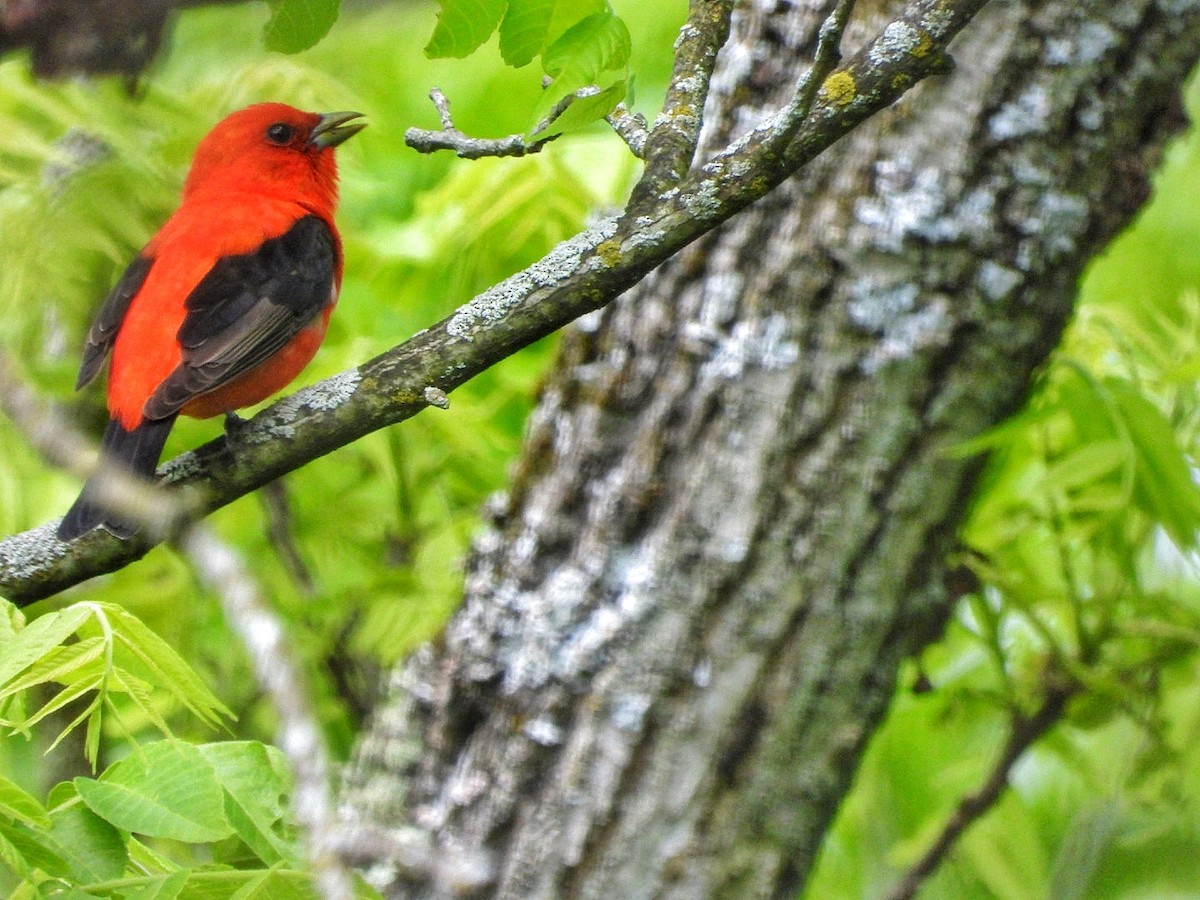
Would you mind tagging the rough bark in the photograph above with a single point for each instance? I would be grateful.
(731, 518)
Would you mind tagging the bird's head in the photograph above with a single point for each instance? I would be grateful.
(274, 148)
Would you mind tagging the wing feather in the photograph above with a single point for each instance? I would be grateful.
(247, 308)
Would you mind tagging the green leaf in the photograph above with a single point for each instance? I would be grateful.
(1164, 486)
(530, 25)
(256, 780)
(156, 887)
(18, 805)
(523, 31)
(23, 852)
(1088, 463)
(39, 638)
(296, 25)
(166, 668)
(584, 110)
(165, 789)
(66, 664)
(92, 848)
(12, 620)
(463, 26)
(600, 43)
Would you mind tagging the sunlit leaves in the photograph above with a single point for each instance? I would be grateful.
(463, 26)
(97, 833)
(592, 46)
(296, 25)
(582, 108)
(165, 789)
(94, 652)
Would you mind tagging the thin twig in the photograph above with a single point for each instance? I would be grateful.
(451, 138)
(825, 59)
(1023, 732)
(278, 673)
(278, 508)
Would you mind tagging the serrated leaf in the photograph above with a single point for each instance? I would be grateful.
(167, 668)
(23, 852)
(584, 110)
(256, 780)
(569, 12)
(529, 26)
(463, 26)
(79, 660)
(12, 621)
(65, 697)
(39, 638)
(296, 25)
(92, 849)
(140, 692)
(165, 789)
(594, 45)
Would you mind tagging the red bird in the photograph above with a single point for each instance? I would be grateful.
(230, 300)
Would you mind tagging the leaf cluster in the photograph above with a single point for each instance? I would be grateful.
(129, 832)
(584, 48)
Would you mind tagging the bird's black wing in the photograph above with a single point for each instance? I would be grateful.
(108, 320)
(245, 309)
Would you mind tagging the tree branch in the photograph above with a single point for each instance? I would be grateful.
(580, 275)
(670, 145)
(630, 127)
(1024, 732)
(450, 138)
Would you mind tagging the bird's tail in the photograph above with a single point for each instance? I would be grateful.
(137, 452)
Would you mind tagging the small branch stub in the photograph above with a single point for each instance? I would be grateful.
(630, 127)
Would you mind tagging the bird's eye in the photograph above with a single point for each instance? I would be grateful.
(280, 133)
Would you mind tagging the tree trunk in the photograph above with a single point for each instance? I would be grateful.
(733, 512)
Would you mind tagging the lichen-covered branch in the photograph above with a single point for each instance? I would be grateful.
(580, 275)
(451, 138)
(630, 127)
(670, 145)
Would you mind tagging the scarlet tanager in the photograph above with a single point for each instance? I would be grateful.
(230, 299)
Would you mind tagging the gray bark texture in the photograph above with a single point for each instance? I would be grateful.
(732, 516)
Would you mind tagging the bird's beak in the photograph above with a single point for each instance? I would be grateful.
(331, 129)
